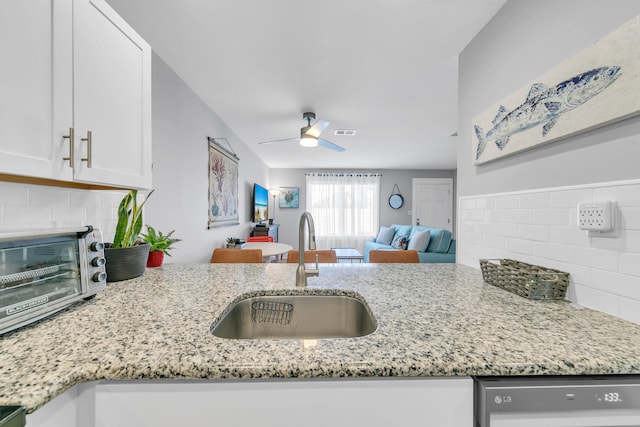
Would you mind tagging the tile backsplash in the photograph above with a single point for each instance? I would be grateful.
(541, 227)
(26, 206)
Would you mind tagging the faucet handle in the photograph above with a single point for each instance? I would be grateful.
(316, 261)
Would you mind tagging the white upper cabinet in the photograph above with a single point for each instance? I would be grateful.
(74, 68)
(112, 97)
(36, 81)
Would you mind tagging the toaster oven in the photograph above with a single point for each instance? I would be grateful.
(44, 271)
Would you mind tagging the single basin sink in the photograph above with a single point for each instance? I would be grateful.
(296, 317)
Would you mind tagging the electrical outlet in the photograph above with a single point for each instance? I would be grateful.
(598, 218)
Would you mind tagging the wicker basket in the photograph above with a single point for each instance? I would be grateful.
(527, 280)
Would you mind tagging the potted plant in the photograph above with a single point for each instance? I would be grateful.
(233, 242)
(159, 245)
(127, 256)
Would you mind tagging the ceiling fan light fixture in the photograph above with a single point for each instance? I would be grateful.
(308, 141)
(310, 134)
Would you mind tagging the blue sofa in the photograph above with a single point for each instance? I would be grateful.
(441, 247)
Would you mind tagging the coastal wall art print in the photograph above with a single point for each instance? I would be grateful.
(289, 197)
(223, 185)
(596, 87)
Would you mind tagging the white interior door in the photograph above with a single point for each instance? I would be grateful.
(433, 202)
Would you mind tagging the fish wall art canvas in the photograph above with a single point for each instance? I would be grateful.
(596, 87)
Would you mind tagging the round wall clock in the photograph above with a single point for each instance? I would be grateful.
(396, 201)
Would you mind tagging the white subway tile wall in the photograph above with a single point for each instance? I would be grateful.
(25, 206)
(540, 227)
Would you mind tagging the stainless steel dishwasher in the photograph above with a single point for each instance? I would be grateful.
(576, 401)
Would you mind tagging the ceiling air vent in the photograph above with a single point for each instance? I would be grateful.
(345, 132)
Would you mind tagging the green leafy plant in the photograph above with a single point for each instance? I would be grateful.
(129, 223)
(158, 241)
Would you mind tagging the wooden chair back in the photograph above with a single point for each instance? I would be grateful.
(225, 255)
(324, 256)
(260, 239)
(381, 256)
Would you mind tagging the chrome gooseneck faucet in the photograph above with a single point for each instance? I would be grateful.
(302, 273)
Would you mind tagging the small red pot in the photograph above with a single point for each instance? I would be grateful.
(155, 259)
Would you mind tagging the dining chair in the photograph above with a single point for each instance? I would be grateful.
(381, 256)
(324, 256)
(225, 255)
(260, 239)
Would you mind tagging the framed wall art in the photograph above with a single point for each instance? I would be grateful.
(596, 87)
(289, 197)
(223, 184)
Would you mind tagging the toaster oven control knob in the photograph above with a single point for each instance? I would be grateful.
(98, 261)
(96, 246)
(99, 277)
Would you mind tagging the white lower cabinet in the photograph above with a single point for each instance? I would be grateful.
(60, 412)
(371, 402)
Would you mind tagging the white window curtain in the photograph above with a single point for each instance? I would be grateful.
(345, 208)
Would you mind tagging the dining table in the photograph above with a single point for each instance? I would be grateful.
(270, 249)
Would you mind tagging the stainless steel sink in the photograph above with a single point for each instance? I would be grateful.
(303, 316)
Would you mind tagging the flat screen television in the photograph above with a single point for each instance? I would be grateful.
(260, 203)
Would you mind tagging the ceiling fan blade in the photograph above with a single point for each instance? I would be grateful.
(278, 140)
(317, 127)
(327, 144)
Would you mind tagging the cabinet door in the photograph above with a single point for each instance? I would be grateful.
(36, 80)
(112, 98)
(59, 412)
(372, 402)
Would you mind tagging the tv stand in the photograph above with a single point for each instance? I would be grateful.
(266, 230)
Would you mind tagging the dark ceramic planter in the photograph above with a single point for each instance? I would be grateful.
(126, 263)
(155, 259)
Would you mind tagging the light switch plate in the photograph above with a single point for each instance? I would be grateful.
(598, 218)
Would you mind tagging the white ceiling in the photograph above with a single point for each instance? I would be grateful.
(387, 68)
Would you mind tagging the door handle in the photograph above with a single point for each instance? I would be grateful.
(70, 137)
(88, 158)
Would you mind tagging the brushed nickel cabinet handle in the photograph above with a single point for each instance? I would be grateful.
(88, 158)
(70, 137)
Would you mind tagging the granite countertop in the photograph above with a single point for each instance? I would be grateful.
(433, 320)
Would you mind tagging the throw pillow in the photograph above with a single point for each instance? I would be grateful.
(402, 230)
(399, 242)
(419, 240)
(417, 228)
(385, 236)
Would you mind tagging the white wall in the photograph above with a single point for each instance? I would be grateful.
(181, 124)
(524, 206)
(523, 41)
(290, 218)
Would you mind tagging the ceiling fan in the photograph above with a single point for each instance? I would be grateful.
(310, 134)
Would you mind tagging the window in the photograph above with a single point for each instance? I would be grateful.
(345, 208)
